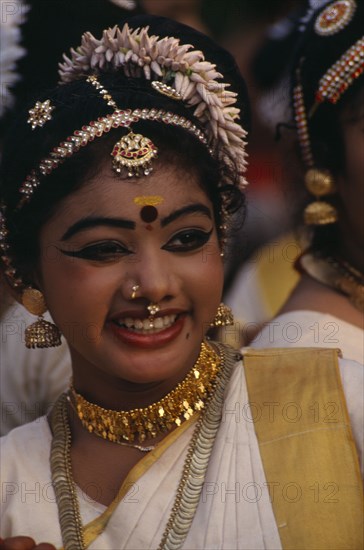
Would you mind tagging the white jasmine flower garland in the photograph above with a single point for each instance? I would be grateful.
(138, 54)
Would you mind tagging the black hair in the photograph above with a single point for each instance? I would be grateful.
(76, 104)
(314, 55)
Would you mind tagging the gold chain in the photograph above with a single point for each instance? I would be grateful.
(64, 487)
(183, 402)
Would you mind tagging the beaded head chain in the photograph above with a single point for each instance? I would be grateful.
(175, 70)
(333, 19)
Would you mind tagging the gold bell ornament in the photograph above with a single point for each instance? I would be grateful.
(42, 333)
(320, 183)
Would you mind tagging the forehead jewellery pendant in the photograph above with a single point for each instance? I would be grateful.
(133, 152)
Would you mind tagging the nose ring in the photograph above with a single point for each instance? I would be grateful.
(153, 309)
(134, 289)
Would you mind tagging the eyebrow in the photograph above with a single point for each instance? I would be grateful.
(90, 222)
(190, 209)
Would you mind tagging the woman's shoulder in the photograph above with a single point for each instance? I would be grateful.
(306, 328)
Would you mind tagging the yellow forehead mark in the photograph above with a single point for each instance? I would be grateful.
(148, 200)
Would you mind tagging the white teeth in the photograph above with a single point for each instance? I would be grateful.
(149, 324)
(158, 323)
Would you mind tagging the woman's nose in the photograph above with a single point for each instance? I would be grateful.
(155, 277)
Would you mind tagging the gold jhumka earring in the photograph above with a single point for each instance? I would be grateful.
(224, 316)
(42, 333)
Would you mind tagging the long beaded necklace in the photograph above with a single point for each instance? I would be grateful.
(337, 274)
(192, 478)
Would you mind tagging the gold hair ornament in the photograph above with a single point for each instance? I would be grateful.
(40, 113)
(320, 183)
(335, 17)
(342, 74)
(166, 90)
(332, 85)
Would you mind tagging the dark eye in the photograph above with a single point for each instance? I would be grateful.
(103, 251)
(188, 240)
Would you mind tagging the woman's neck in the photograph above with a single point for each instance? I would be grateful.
(118, 394)
(111, 391)
(311, 295)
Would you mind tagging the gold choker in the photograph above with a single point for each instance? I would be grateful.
(337, 274)
(185, 400)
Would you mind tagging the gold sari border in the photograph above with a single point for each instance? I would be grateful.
(307, 448)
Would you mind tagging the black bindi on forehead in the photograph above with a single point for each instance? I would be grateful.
(149, 214)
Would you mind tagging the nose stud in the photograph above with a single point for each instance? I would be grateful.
(134, 289)
(153, 309)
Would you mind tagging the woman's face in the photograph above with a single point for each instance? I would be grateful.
(157, 232)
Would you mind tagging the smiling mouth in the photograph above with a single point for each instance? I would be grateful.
(151, 325)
